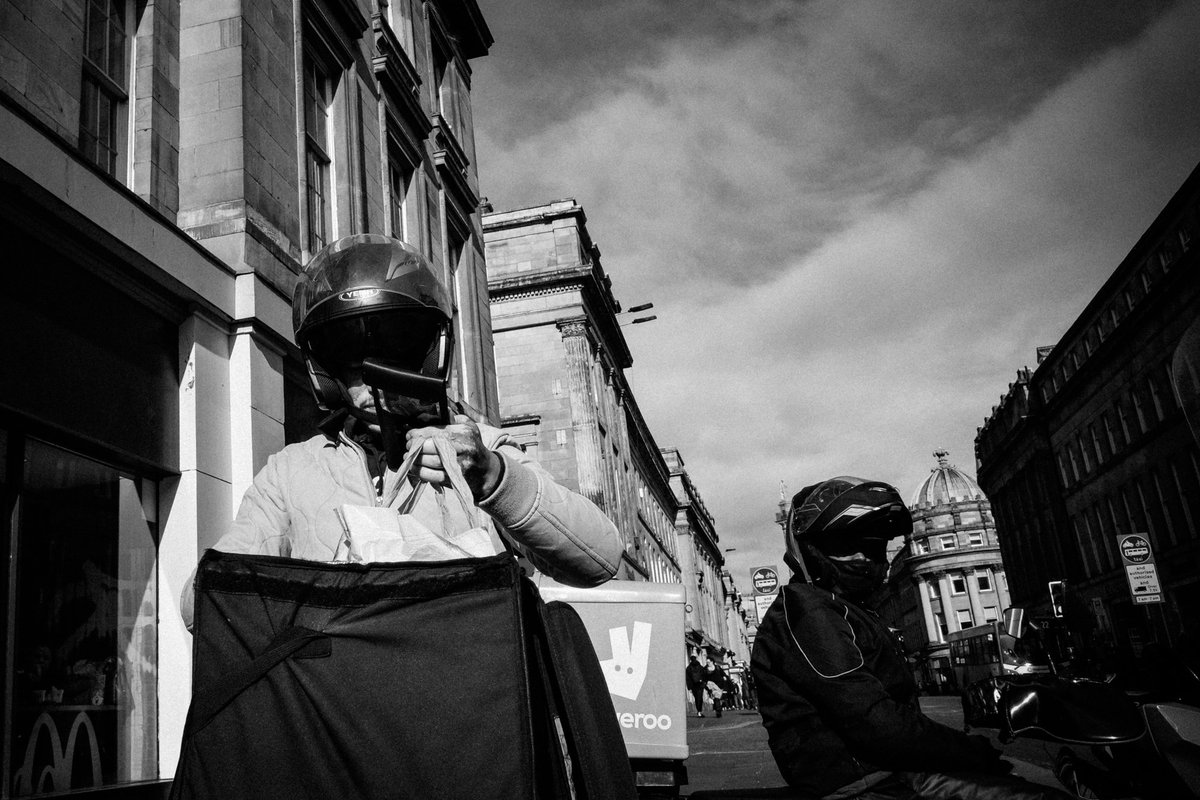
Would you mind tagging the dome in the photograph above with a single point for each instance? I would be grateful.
(946, 484)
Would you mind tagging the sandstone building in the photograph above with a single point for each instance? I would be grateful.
(1091, 445)
(166, 168)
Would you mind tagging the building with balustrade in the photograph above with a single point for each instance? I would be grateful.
(166, 168)
(948, 575)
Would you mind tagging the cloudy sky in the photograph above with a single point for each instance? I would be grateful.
(856, 220)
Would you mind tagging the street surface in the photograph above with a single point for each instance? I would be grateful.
(730, 751)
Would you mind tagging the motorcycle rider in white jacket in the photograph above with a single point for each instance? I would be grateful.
(370, 298)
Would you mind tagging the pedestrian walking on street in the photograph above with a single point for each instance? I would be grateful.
(694, 675)
(837, 697)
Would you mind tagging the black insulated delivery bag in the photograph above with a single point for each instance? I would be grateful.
(408, 680)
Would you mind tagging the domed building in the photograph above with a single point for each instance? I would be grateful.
(948, 575)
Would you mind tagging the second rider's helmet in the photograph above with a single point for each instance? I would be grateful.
(842, 516)
(371, 297)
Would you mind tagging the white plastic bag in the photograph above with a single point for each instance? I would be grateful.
(386, 534)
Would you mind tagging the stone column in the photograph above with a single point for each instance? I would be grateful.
(585, 425)
(948, 610)
(931, 627)
(195, 508)
(973, 597)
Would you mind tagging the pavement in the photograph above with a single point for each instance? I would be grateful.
(730, 752)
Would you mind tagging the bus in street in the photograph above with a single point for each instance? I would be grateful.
(986, 651)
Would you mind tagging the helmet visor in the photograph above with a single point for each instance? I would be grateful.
(411, 340)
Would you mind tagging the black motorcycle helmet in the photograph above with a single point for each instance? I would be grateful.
(370, 298)
(839, 517)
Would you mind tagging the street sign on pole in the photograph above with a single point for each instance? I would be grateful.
(1138, 558)
(761, 603)
(765, 580)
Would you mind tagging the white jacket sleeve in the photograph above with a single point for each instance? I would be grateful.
(562, 532)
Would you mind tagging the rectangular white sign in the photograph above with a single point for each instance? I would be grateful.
(1143, 583)
(761, 603)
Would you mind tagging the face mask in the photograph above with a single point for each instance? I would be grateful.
(858, 579)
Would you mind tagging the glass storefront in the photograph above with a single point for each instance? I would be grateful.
(81, 623)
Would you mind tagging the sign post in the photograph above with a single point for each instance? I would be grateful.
(765, 582)
(1138, 558)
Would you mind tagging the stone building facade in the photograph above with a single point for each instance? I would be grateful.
(949, 574)
(702, 562)
(166, 167)
(561, 359)
(1091, 445)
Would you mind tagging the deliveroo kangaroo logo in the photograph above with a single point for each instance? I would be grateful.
(626, 670)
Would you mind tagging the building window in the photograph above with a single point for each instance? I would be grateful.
(964, 618)
(989, 614)
(1185, 238)
(401, 176)
(949, 542)
(943, 631)
(1155, 398)
(1074, 462)
(1123, 418)
(1143, 425)
(1083, 452)
(404, 21)
(958, 585)
(1166, 255)
(933, 590)
(453, 99)
(318, 97)
(1062, 469)
(975, 540)
(1096, 448)
(83, 623)
(102, 123)
(983, 581)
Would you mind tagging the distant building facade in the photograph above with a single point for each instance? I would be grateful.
(561, 360)
(166, 168)
(948, 575)
(701, 558)
(1091, 445)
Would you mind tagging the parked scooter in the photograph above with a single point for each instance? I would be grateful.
(1140, 746)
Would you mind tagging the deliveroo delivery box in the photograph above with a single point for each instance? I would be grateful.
(636, 628)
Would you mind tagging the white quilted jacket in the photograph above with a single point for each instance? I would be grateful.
(289, 511)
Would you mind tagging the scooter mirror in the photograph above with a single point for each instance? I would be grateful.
(1014, 621)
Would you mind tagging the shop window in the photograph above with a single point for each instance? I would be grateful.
(104, 103)
(83, 623)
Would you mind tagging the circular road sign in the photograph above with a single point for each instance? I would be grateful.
(1135, 549)
(765, 580)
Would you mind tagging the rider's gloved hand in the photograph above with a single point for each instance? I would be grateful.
(989, 755)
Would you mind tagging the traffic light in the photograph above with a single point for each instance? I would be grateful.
(1058, 597)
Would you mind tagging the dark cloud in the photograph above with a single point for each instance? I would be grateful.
(848, 107)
